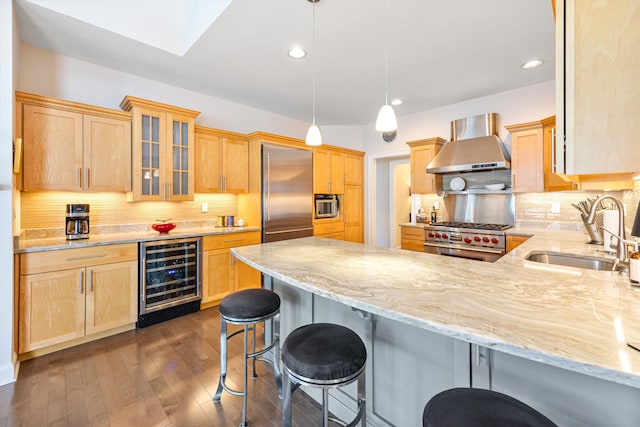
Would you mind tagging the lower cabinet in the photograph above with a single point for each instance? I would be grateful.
(221, 272)
(76, 293)
(353, 208)
(329, 228)
(412, 238)
(514, 241)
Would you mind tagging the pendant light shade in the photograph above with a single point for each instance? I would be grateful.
(313, 134)
(386, 121)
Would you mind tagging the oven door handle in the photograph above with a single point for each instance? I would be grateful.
(468, 248)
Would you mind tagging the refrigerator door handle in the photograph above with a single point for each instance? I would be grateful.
(268, 189)
(288, 231)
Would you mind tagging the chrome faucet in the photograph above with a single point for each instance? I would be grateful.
(622, 253)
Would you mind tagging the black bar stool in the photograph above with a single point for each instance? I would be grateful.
(327, 356)
(248, 308)
(474, 407)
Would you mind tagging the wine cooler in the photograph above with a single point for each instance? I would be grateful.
(170, 284)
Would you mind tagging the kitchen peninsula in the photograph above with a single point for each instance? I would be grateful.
(555, 338)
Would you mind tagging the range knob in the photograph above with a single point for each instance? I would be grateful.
(494, 241)
(467, 240)
(437, 235)
(430, 234)
(485, 239)
(444, 236)
(477, 238)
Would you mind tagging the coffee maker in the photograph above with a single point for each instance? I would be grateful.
(77, 222)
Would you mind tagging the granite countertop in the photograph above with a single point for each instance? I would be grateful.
(55, 243)
(571, 318)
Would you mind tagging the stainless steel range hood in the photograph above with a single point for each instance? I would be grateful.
(474, 146)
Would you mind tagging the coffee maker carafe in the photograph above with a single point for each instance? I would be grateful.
(77, 222)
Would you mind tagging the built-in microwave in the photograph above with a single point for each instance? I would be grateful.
(326, 205)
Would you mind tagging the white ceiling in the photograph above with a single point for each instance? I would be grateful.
(440, 51)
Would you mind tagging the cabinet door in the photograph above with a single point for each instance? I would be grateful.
(527, 160)
(353, 211)
(112, 296)
(245, 276)
(598, 86)
(552, 180)
(208, 172)
(149, 135)
(107, 154)
(236, 165)
(180, 158)
(216, 278)
(421, 181)
(336, 172)
(52, 149)
(321, 176)
(353, 170)
(51, 308)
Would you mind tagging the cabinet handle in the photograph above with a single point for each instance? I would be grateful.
(514, 184)
(77, 258)
(224, 179)
(234, 240)
(80, 178)
(553, 150)
(221, 184)
(88, 178)
(91, 282)
(143, 293)
(81, 282)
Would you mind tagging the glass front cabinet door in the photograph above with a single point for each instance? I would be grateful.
(163, 150)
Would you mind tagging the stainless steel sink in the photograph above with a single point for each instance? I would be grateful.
(572, 260)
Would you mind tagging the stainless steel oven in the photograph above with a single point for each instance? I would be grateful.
(482, 242)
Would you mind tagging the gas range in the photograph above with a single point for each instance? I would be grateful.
(465, 236)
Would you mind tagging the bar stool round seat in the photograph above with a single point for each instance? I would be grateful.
(327, 356)
(248, 308)
(473, 407)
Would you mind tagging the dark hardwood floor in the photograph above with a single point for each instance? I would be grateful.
(162, 375)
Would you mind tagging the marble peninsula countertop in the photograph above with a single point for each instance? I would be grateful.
(22, 245)
(576, 319)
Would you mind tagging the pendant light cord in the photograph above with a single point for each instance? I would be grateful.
(386, 61)
(313, 64)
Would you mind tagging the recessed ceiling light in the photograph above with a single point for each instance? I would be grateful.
(396, 102)
(297, 53)
(534, 63)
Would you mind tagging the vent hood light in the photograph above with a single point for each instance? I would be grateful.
(534, 63)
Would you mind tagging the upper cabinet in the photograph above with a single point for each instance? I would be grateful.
(222, 162)
(163, 150)
(328, 171)
(69, 146)
(353, 169)
(532, 158)
(598, 96)
(422, 152)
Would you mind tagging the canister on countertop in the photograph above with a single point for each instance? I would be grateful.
(229, 221)
(221, 221)
(634, 268)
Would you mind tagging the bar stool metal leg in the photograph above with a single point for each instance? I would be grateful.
(223, 359)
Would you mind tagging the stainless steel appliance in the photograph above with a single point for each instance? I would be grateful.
(483, 242)
(77, 221)
(326, 205)
(169, 279)
(287, 193)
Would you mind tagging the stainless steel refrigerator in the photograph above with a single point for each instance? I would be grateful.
(287, 193)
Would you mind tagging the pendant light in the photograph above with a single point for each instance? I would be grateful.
(313, 134)
(386, 121)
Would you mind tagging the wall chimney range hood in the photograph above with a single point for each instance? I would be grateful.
(474, 146)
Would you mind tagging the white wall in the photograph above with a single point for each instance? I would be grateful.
(7, 60)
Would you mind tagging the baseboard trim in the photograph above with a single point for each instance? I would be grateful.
(7, 372)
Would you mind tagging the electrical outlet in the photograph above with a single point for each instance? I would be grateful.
(555, 207)
(436, 205)
(205, 207)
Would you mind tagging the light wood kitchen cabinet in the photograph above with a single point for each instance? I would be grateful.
(221, 272)
(328, 171)
(412, 238)
(163, 150)
(597, 95)
(353, 169)
(74, 295)
(513, 241)
(222, 162)
(422, 152)
(353, 212)
(532, 159)
(73, 147)
(330, 228)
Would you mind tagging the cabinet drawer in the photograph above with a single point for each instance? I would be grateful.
(63, 259)
(230, 240)
(412, 245)
(410, 233)
(329, 228)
